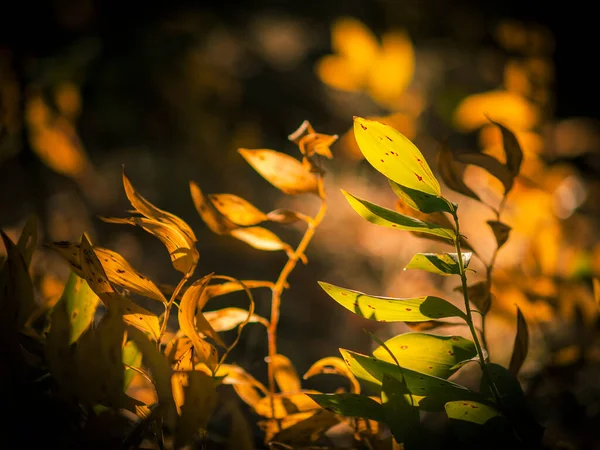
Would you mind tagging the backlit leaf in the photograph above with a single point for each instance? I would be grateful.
(187, 322)
(285, 374)
(439, 263)
(421, 201)
(284, 216)
(596, 288)
(350, 405)
(521, 345)
(184, 255)
(395, 156)
(228, 318)
(311, 142)
(250, 390)
(28, 239)
(260, 238)
(452, 173)
(285, 403)
(131, 357)
(390, 309)
(333, 365)
(501, 231)
(479, 424)
(302, 428)
(196, 399)
(237, 210)
(427, 353)
(282, 171)
(399, 410)
(147, 209)
(391, 219)
(512, 149)
(479, 294)
(490, 164)
(471, 411)
(81, 303)
(216, 221)
(436, 390)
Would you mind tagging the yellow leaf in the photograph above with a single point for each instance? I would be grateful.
(184, 255)
(285, 374)
(333, 365)
(228, 318)
(299, 429)
(249, 389)
(311, 142)
(147, 209)
(285, 404)
(180, 354)
(502, 106)
(210, 215)
(285, 216)
(237, 210)
(187, 321)
(339, 73)
(260, 238)
(282, 171)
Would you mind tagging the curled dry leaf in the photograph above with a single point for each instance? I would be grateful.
(333, 365)
(249, 389)
(512, 149)
(285, 374)
(228, 318)
(285, 216)
(282, 171)
(237, 210)
(521, 346)
(501, 231)
(311, 142)
(216, 221)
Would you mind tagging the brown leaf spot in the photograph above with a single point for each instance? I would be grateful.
(419, 177)
(389, 138)
(363, 127)
(409, 309)
(120, 271)
(404, 347)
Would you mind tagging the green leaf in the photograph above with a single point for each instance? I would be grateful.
(501, 231)
(521, 345)
(471, 411)
(480, 425)
(395, 156)
(512, 149)
(400, 411)
(392, 219)
(439, 263)
(452, 173)
(436, 390)
(81, 303)
(350, 405)
(131, 357)
(421, 201)
(428, 353)
(389, 309)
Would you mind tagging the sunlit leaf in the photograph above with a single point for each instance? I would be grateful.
(282, 171)
(333, 365)
(188, 325)
(391, 219)
(150, 211)
(421, 201)
(501, 231)
(399, 410)
(218, 223)
(427, 353)
(285, 403)
(260, 238)
(452, 173)
(521, 345)
(350, 405)
(470, 411)
(479, 294)
(237, 210)
(28, 239)
(490, 164)
(390, 309)
(196, 399)
(396, 157)
(596, 288)
(311, 142)
(285, 374)
(228, 318)
(80, 303)
(436, 390)
(131, 357)
(284, 216)
(439, 263)
(250, 390)
(183, 253)
(512, 149)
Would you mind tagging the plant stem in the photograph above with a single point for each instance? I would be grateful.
(163, 326)
(463, 279)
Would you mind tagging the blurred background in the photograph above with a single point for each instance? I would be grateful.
(170, 91)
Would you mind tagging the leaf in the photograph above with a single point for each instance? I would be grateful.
(395, 156)
(391, 219)
(285, 374)
(237, 210)
(196, 399)
(390, 309)
(420, 201)
(521, 345)
(282, 171)
(28, 239)
(399, 410)
(471, 411)
(184, 255)
(297, 429)
(187, 316)
(596, 289)
(150, 211)
(490, 164)
(437, 390)
(217, 222)
(260, 238)
(512, 149)
(228, 318)
(479, 294)
(250, 390)
(311, 142)
(452, 173)
(478, 424)
(284, 216)
(131, 357)
(80, 303)
(501, 231)
(350, 405)
(285, 403)
(438, 263)
(333, 365)
(428, 353)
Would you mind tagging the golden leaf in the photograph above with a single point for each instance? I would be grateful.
(260, 238)
(285, 404)
(237, 210)
(334, 365)
(285, 374)
(228, 318)
(210, 215)
(249, 389)
(311, 142)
